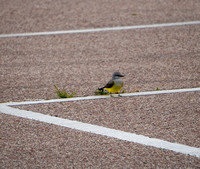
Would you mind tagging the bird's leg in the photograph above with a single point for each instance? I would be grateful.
(119, 94)
(111, 95)
(115, 95)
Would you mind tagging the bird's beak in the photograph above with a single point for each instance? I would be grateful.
(121, 75)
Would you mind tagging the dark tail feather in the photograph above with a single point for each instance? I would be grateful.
(101, 89)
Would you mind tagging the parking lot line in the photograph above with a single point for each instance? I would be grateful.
(99, 29)
(99, 130)
(104, 96)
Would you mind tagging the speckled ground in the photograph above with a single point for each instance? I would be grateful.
(172, 117)
(39, 145)
(164, 58)
(47, 15)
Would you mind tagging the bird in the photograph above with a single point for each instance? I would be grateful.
(115, 84)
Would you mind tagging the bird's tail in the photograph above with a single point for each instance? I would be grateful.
(101, 89)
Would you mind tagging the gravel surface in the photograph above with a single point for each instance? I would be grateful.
(47, 15)
(31, 144)
(172, 117)
(164, 58)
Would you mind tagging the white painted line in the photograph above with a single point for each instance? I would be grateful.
(103, 97)
(100, 29)
(162, 92)
(121, 135)
(56, 100)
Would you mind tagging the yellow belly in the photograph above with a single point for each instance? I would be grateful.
(115, 88)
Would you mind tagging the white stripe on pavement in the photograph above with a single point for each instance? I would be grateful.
(117, 134)
(99, 29)
(104, 96)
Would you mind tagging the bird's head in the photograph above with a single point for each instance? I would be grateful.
(117, 75)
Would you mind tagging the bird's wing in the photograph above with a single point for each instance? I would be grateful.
(109, 84)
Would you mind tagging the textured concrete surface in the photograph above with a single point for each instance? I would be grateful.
(164, 58)
(39, 145)
(171, 117)
(36, 16)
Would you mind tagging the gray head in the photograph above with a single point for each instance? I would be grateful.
(117, 75)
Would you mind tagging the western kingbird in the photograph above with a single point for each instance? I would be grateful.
(115, 84)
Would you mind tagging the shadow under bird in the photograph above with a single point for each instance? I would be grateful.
(115, 84)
